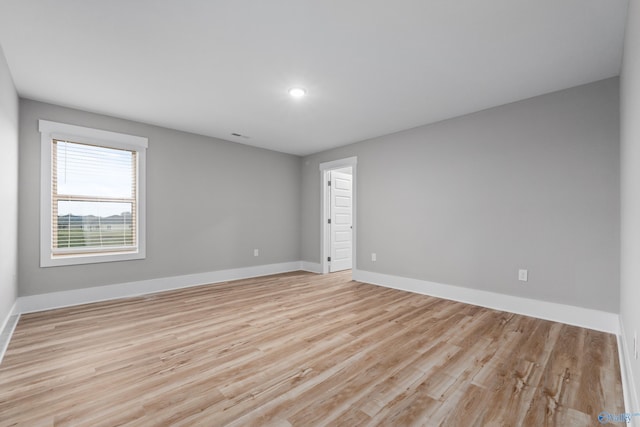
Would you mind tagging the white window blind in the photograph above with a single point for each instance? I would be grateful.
(94, 199)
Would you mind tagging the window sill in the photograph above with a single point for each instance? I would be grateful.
(77, 259)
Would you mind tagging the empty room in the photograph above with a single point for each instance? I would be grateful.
(319, 213)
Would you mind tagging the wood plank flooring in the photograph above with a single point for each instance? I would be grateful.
(301, 349)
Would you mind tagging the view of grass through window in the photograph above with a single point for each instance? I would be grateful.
(94, 203)
(93, 229)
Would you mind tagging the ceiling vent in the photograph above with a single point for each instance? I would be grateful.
(239, 135)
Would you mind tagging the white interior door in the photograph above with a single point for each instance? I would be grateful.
(341, 220)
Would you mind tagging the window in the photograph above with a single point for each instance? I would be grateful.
(92, 195)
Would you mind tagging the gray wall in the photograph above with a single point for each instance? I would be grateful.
(630, 184)
(8, 190)
(209, 204)
(469, 201)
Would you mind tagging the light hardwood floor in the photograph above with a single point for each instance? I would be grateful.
(303, 349)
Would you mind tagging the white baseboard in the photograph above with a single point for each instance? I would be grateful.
(8, 326)
(571, 315)
(12, 311)
(626, 372)
(41, 302)
(312, 267)
(583, 317)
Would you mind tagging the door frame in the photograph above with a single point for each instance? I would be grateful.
(325, 240)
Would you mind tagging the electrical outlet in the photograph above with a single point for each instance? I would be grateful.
(256, 252)
(523, 275)
(373, 256)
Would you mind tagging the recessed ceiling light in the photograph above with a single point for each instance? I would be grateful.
(297, 92)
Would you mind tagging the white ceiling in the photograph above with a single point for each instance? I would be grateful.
(371, 67)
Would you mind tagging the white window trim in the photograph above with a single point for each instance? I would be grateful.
(53, 130)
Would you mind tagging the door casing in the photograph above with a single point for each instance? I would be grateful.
(325, 249)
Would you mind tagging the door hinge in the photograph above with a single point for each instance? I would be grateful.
(329, 259)
(329, 221)
(329, 183)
